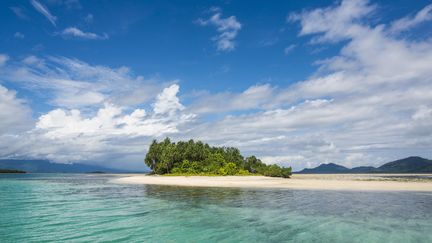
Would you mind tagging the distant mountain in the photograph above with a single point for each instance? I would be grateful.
(326, 169)
(45, 166)
(412, 164)
(408, 165)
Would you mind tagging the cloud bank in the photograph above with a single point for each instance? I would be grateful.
(369, 103)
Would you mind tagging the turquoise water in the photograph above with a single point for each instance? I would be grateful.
(88, 208)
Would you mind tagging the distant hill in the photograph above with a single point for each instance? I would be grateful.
(362, 169)
(326, 168)
(412, 164)
(407, 165)
(45, 166)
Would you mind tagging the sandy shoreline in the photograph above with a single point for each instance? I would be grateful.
(356, 182)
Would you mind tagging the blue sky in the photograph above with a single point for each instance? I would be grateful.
(296, 83)
(163, 39)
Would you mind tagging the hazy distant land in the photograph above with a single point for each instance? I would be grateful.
(413, 164)
(45, 166)
(12, 171)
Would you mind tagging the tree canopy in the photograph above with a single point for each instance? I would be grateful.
(195, 158)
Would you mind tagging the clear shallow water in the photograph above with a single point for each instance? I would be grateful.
(83, 208)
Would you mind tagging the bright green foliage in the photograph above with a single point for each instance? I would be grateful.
(275, 171)
(243, 172)
(231, 169)
(197, 158)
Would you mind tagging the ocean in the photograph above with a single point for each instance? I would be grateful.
(89, 208)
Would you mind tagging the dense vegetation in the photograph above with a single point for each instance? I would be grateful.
(11, 171)
(198, 158)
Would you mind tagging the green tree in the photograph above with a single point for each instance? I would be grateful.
(197, 157)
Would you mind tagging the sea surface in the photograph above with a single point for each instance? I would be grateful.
(89, 208)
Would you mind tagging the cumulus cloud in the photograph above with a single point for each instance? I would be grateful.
(77, 33)
(109, 121)
(70, 135)
(167, 102)
(111, 127)
(97, 112)
(15, 115)
(228, 29)
(44, 11)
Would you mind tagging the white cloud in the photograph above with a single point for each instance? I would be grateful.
(167, 102)
(420, 127)
(44, 11)
(3, 59)
(80, 98)
(334, 23)
(34, 61)
(109, 121)
(255, 97)
(96, 114)
(423, 112)
(77, 33)
(15, 115)
(228, 29)
(72, 83)
(110, 130)
(71, 135)
(408, 22)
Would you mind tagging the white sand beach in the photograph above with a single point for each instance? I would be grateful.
(366, 182)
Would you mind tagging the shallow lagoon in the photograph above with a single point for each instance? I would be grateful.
(86, 207)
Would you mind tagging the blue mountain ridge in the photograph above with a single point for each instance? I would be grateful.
(413, 164)
(45, 166)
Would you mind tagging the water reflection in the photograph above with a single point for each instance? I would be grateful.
(336, 203)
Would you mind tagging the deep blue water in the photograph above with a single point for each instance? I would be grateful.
(88, 208)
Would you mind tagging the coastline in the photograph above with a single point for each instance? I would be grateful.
(350, 182)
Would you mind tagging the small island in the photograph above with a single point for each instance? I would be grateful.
(197, 158)
(9, 171)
